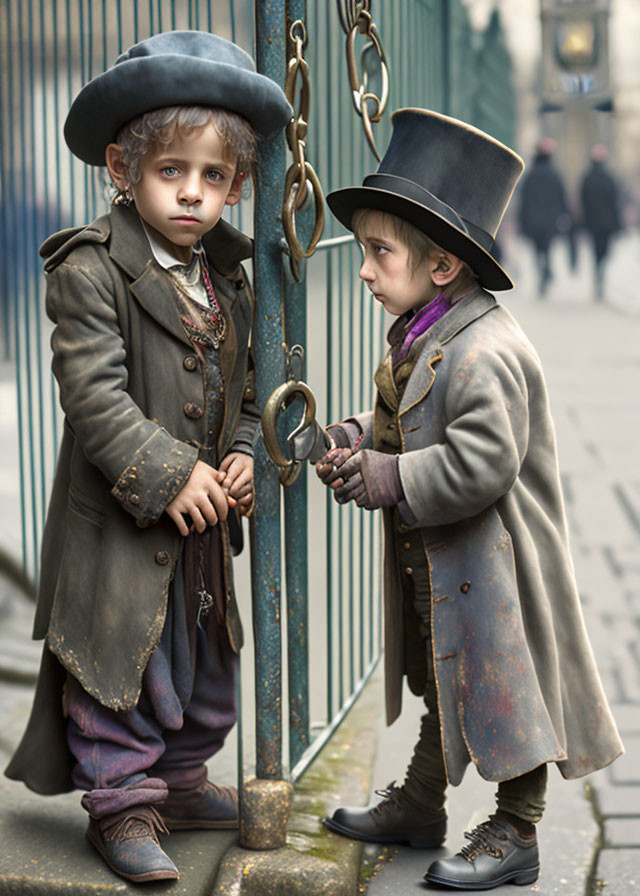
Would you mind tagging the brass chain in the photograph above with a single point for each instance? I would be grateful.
(301, 172)
(355, 18)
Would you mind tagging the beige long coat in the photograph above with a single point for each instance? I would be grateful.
(517, 682)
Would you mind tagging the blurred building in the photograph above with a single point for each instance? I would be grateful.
(576, 92)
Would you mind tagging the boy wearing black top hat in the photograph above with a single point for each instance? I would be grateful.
(151, 352)
(481, 608)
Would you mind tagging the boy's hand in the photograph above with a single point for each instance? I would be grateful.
(371, 479)
(202, 497)
(328, 467)
(238, 479)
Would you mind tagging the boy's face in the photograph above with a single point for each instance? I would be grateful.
(184, 187)
(387, 269)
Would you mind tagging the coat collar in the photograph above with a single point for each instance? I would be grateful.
(462, 313)
(129, 248)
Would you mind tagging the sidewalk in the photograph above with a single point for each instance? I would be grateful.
(590, 837)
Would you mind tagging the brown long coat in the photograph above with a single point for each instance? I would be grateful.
(517, 682)
(132, 390)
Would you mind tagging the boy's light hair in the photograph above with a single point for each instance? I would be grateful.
(419, 246)
(138, 136)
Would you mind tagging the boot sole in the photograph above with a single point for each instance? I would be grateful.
(160, 874)
(520, 878)
(414, 842)
(194, 824)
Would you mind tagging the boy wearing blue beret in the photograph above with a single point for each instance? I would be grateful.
(480, 603)
(152, 318)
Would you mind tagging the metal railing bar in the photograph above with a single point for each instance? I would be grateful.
(33, 285)
(317, 745)
(13, 275)
(270, 373)
(24, 234)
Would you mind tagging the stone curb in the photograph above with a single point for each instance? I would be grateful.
(316, 862)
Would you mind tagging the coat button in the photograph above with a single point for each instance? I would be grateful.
(409, 571)
(465, 587)
(406, 545)
(190, 362)
(193, 410)
(162, 557)
(134, 499)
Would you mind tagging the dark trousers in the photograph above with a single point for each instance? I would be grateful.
(426, 780)
(185, 711)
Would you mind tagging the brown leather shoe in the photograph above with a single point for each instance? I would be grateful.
(394, 820)
(206, 806)
(496, 854)
(128, 843)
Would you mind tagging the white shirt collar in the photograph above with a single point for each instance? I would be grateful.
(164, 258)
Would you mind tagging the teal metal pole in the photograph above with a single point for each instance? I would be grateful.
(270, 373)
(295, 508)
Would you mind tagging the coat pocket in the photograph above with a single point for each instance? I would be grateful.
(86, 507)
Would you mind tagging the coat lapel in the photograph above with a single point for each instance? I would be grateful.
(130, 250)
(464, 312)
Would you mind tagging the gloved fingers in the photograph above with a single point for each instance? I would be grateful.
(358, 494)
(328, 467)
(352, 487)
(352, 465)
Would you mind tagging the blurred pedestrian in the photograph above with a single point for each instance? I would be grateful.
(600, 201)
(544, 213)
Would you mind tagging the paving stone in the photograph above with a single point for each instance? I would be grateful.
(623, 831)
(617, 801)
(627, 717)
(626, 769)
(618, 872)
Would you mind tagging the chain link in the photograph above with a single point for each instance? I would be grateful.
(301, 173)
(355, 18)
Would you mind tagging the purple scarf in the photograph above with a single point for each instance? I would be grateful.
(424, 318)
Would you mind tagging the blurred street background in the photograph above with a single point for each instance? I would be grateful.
(570, 242)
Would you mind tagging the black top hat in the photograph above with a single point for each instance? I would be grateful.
(450, 180)
(172, 69)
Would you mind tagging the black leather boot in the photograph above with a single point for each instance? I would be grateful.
(394, 820)
(496, 854)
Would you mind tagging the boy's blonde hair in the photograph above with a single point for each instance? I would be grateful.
(138, 136)
(419, 246)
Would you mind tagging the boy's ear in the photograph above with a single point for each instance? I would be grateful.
(117, 168)
(235, 193)
(445, 268)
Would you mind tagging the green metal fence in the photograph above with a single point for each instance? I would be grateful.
(436, 60)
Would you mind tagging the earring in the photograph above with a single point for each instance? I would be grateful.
(123, 197)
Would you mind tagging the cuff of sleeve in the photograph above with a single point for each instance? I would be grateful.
(241, 448)
(345, 434)
(159, 469)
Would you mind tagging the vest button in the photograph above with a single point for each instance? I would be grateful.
(406, 545)
(162, 557)
(409, 571)
(190, 362)
(134, 499)
(193, 410)
(465, 587)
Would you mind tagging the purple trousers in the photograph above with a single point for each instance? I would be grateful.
(185, 711)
